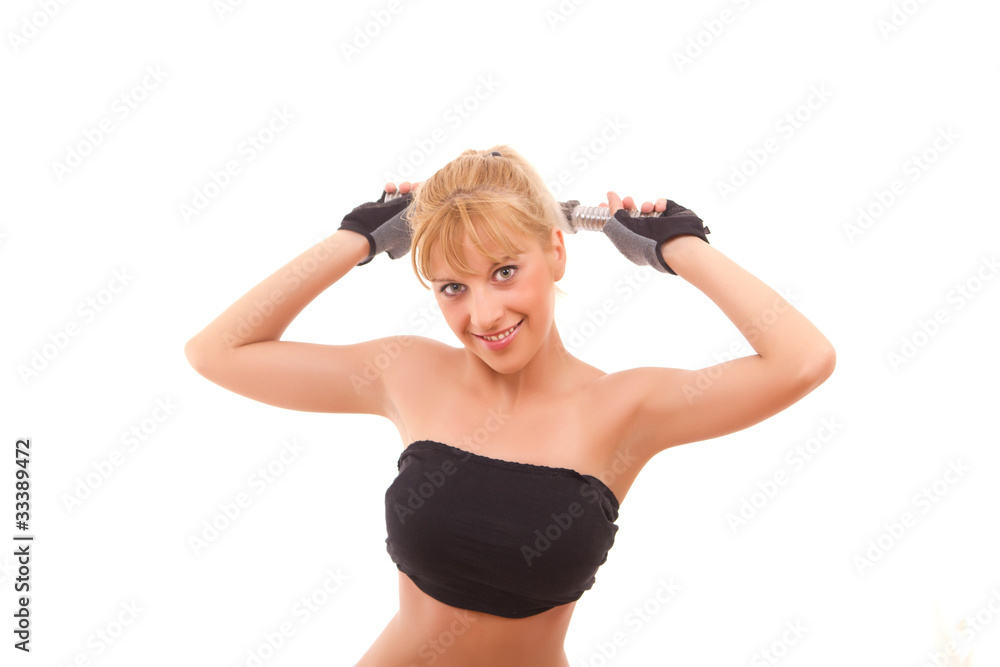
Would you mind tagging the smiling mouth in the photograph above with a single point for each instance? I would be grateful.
(500, 336)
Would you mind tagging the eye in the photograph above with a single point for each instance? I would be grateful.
(505, 273)
(510, 271)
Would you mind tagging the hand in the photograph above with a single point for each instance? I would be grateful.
(639, 239)
(615, 203)
(383, 222)
(404, 188)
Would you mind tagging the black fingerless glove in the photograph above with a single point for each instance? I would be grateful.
(640, 238)
(384, 224)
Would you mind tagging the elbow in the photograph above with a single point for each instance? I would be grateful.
(207, 360)
(194, 352)
(819, 367)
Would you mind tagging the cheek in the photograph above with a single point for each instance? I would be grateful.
(455, 316)
(532, 300)
(451, 314)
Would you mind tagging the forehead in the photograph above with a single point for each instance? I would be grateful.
(441, 269)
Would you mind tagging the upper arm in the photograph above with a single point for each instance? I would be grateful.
(674, 406)
(313, 377)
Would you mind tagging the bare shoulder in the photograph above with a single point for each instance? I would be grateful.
(399, 359)
(404, 362)
(619, 399)
(623, 391)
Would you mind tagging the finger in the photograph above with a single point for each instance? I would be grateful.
(614, 201)
(404, 187)
(629, 202)
(390, 187)
(647, 207)
(661, 205)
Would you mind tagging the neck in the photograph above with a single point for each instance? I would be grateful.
(543, 376)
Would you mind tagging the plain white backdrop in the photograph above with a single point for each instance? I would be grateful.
(845, 154)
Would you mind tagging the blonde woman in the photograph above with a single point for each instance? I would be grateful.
(516, 456)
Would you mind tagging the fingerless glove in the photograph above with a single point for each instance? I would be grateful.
(640, 238)
(384, 224)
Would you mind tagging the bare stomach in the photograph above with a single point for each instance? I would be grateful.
(426, 632)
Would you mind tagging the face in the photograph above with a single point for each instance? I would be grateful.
(512, 301)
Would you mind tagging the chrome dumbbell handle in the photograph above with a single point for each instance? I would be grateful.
(591, 218)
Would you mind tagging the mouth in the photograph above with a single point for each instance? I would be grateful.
(501, 339)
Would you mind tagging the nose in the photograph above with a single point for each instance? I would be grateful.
(487, 310)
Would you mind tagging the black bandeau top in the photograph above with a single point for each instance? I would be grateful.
(501, 537)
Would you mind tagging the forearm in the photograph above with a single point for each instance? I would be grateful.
(265, 311)
(776, 330)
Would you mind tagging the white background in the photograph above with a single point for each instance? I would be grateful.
(606, 77)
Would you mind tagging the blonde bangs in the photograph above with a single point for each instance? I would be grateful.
(483, 221)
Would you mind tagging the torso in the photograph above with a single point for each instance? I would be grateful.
(581, 430)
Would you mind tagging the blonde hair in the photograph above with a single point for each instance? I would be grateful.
(502, 192)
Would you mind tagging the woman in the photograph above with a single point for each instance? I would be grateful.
(516, 454)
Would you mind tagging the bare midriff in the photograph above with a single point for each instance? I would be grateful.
(427, 632)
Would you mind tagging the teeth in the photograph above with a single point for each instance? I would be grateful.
(500, 336)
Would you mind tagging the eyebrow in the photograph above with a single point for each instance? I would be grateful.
(504, 259)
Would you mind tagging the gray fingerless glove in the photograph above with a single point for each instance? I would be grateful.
(640, 238)
(384, 224)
